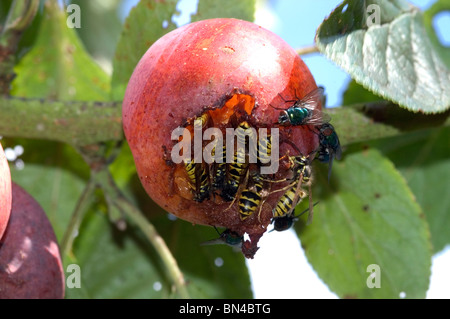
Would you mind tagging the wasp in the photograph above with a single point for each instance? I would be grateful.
(285, 222)
(235, 173)
(304, 111)
(238, 168)
(264, 150)
(329, 146)
(250, 198)
(220, 170)
(227, 237)
(198, 180)
(294, 192)
(286, 203)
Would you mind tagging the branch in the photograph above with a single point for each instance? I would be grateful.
(20, 16)
(114, 196)
(75, 123)
(381, 119)
(84, 123)
(77, 217)
(307, 50)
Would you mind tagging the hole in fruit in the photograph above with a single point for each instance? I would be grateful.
(238, 103)
(182, 182)
(192, 179)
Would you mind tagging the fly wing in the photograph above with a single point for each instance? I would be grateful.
(318, 118)
(215, 241)
(311, 100)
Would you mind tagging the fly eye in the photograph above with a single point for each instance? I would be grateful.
(327, 132)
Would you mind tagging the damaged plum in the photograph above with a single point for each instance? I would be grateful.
(212, 78)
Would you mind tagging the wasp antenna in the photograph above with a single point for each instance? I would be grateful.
(307, 209)
(293, 145)
(311, 212)
(217, 230)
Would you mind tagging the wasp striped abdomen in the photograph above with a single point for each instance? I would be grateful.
(286, 203)
(198, 180)
(238, 168)
(190, 169)
(235, 173)
(220, 171)
(250, 199)
(264, 150)
(203, 189)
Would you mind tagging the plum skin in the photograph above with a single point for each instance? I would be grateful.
(5, 192)
(30, 261)
(196, 67)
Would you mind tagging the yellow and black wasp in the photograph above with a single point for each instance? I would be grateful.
(264, 150)
(294, 193)
(219, 171)
(198, 180)
(285, 222)
(250, 198)
(238, 169)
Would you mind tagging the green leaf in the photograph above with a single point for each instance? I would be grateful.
(58, 67)
(115, 264)
(124, 265)
(423, 158)
(145, 24)
(228, 278)
(238, 9)
(54, 174)
(100, 29)
(394, 58)
(367, 216)
(356, 93)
